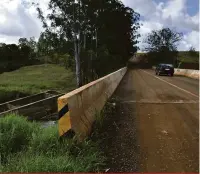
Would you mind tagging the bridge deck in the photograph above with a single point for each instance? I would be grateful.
(156, 126)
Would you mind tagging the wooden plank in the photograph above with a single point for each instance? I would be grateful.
(35, 110)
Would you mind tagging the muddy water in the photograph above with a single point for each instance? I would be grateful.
(46, 124)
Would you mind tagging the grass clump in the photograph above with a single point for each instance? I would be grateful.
(46, 142)
(15, 134)
(31, 162)
(32, 148)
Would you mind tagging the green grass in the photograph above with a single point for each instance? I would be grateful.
(185, 57)
(28, 147)
(34, 79)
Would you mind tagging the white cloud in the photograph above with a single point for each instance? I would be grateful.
(174, 8)
(16, 20)
(146, 28)
(190, 40)
(144, 7)
(172, 14)
(9, 39)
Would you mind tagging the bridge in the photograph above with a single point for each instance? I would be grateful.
(156, 124)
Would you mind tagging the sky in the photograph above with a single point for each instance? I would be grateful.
(17, 19)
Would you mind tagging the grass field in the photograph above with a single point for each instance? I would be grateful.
(34, 79)
(185, 57)
(28, 147)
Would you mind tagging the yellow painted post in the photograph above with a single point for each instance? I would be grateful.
(64, 123)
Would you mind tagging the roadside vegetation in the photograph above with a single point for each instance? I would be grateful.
(35, 79)
(28, 147)
(187, 57)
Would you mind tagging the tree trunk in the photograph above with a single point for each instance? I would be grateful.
(96, 41)
(91, 63)
(84, 44)
(77, 60)
(77, 51)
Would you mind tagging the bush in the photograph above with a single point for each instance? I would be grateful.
(15, 134)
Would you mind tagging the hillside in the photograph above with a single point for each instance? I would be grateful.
(184, 56)
(34, 79)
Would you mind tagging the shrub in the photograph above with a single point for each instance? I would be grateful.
(15, 134)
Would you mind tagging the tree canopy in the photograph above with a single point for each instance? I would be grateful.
(101, 33)
(162, 45)
(92, 37)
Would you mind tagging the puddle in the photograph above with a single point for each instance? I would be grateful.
(46, 124)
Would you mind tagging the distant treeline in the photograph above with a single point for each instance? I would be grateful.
(184, 59)
(13, 56)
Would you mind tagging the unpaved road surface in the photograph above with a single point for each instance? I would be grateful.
(156, 124)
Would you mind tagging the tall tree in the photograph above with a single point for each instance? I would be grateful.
(28, 47)
(92, 27)
(66, 16)
(162, 45)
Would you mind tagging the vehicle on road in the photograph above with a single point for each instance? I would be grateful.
(164, 69)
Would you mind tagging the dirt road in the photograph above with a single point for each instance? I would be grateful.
(156, 124)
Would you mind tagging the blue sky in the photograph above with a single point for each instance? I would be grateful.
(193, 7)
(16, 20)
